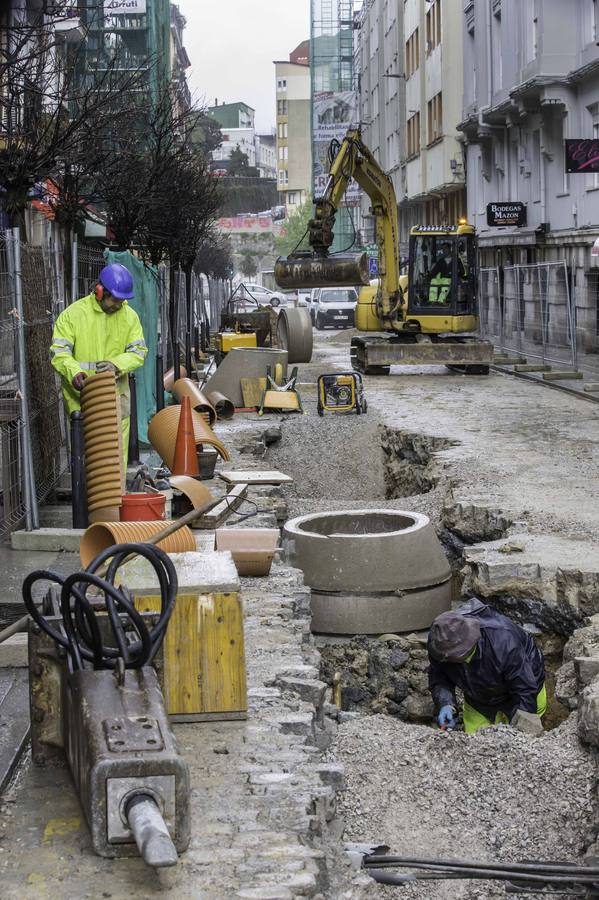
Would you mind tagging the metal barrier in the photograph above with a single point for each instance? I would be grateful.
(530, 311)
(32, 426)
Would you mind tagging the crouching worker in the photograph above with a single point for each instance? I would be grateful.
(494, 662)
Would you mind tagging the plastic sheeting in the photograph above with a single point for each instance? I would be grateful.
(145, 304)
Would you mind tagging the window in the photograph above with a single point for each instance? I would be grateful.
(281, 84)
(435, 118)
(283, 154)
(282, 107)
(433, 26)
(282, 130)
(414, 135)
(412, 53)
(292, 197)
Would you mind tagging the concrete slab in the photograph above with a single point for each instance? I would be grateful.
(558, 570)
(209, 572)
(14, 721)
(48, 540)
(566, 375)
(13, 652)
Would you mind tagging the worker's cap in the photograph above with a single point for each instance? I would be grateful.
(452, 636)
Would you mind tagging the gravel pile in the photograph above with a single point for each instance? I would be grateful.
(499, 795)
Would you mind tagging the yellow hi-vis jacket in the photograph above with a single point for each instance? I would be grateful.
(85, 335)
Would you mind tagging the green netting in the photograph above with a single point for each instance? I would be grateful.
(145, 304)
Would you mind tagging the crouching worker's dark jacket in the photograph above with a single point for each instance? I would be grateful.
(506, 672)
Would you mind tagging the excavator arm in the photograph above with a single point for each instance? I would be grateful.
(353, 160)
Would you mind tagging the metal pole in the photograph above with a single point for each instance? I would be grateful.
(571, 301)
(188, 321)
(74, 271)
(24, 389)
(25, 484)
(133, 433)
(78, 480)
(159, 382)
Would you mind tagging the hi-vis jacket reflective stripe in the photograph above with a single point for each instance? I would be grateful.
(84, 335)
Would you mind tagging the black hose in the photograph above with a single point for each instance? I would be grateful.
(81, 635)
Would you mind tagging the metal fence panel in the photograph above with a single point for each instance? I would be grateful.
(32, 427)
(529, 311)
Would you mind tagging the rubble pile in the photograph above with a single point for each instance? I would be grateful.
(497, 796)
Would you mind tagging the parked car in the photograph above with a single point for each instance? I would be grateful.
(262, 296)
(335, 307)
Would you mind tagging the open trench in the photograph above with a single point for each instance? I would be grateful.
(499, 795)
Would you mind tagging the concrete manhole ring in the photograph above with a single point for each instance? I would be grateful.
(370, 570)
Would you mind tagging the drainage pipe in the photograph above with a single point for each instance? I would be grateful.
(78, 480)
(133, 449)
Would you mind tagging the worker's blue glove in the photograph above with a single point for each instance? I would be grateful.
(446, 718)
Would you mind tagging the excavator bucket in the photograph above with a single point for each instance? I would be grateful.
(309, 270)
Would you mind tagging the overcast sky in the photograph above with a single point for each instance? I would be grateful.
(232, 45)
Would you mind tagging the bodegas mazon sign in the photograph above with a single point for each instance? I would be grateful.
(124, 7)
(500, 215)
(582, 155)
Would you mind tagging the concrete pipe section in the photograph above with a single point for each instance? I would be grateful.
(371, 571)
(294, 334)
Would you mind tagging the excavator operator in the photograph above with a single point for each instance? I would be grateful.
(441, 275)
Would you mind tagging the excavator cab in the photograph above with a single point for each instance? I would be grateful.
(442, 275)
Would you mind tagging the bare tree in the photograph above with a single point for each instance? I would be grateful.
(49, 101)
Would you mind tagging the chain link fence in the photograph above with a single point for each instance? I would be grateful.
(33, 448)
(35, 285)
(531, 311)
(195, 313)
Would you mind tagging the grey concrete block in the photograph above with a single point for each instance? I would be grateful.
(310, 691)
(51, 540)
(13, 652)
(297, 723)
(587, 668)
(527, 723)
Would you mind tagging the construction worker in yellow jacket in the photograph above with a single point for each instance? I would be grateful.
(100, 333)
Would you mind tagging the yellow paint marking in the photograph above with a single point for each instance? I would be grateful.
(60, 827)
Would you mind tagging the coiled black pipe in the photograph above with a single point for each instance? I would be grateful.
(82, 637)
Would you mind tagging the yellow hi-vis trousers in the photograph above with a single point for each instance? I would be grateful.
(473, 720)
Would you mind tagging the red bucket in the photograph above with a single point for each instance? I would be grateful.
(142, 507)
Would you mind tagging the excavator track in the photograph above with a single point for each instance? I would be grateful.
(375, 354)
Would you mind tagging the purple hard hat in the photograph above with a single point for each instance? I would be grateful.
(118, 281)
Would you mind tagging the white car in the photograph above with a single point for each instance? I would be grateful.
(260, 295)
(334, 306)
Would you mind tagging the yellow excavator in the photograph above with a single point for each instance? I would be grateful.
(427, 317)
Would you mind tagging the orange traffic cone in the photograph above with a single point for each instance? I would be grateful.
(186, 457)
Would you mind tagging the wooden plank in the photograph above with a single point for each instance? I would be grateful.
(203, 656)
(257, 476)
(223, 680)
(224, 509)
(252, 390)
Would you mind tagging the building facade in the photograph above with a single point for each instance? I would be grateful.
(180, 61)
(266, 155)
(535, 84)
(406, 52)
(293, 141)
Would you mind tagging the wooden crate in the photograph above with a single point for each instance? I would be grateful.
(202, 673)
